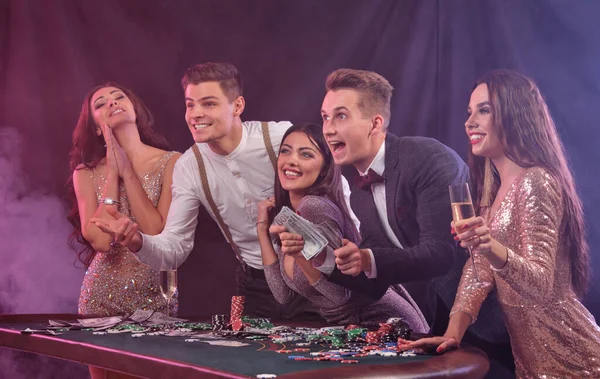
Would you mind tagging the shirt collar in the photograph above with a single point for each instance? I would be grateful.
(378, 163)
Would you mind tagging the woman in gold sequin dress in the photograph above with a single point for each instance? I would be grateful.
(529, 242)
(118, 161)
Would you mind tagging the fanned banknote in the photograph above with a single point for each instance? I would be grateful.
(314, 240)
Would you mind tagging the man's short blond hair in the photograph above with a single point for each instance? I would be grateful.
(375, 91)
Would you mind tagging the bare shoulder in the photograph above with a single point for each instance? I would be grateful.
(175, 155)
(82, 172)
(82, 180)
(154, 156)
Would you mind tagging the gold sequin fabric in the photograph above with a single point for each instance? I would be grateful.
(552, 334)
(117, 283)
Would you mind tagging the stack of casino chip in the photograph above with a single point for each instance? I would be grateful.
(385, 329)
(219, 322)
(237, 311)
(355, 334)
(402, 331)
(386, 333)
(373, 337)
(401, 328)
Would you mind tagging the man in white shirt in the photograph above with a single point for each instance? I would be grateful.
(237, 159)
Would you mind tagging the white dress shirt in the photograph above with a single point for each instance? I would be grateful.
(238, 181)
(378, 191)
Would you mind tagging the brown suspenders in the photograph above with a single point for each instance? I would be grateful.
(208, 193)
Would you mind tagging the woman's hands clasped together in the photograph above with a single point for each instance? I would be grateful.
(117, 160)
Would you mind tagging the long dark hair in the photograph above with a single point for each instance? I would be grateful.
(529, 138)
(89, 149)
(328, 183)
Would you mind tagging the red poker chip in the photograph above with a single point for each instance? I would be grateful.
(349, 361)
(283, 351)
(237, 324)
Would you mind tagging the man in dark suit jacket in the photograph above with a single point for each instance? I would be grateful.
(402, 201)
(401, 197)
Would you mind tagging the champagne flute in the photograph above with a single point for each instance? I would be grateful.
(462, 208)
(168, 279)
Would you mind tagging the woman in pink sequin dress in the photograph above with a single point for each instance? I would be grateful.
(529, 241)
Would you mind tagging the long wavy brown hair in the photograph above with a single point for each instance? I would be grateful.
(530, 139)
(328, 183)
(89, 149)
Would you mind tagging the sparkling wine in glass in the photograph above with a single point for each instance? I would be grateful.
(462, 208)
(168, 279)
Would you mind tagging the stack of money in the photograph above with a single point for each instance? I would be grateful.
(316, 237)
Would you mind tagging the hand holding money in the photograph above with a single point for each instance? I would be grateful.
(291, 243)
(312, 241)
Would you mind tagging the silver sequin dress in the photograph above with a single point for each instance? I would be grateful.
(117, 283)
(552, 334)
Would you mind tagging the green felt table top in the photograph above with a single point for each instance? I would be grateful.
(256, 358)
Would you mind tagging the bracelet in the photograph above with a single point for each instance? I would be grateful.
(262, 222)
(110, 201)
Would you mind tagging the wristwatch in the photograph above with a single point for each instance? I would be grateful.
(110, 201)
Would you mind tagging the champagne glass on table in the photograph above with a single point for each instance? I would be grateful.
(168, 279)
(462, 208)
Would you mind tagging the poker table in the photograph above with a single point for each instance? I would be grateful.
(173, 357)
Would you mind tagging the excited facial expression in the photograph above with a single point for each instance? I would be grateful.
(299, 163)
(346, 129)
(208, 112)
(479, 126)
(111, 106)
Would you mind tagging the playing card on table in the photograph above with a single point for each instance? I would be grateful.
(40, 331)
(227, 343)
(179, 333)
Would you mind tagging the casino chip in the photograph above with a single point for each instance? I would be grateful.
(237, 308)
(265, 376)
(219, 322)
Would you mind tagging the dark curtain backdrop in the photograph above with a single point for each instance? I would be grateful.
(53, 52)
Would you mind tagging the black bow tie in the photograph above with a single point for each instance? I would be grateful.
(365, 182)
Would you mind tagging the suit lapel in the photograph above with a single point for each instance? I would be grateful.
(392, 178)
